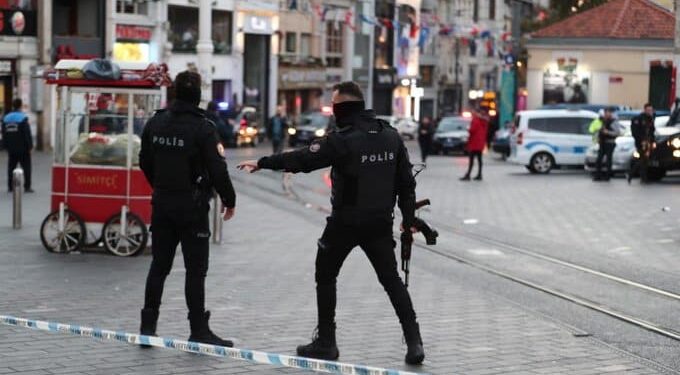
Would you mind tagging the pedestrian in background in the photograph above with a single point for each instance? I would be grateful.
(476, 143)
(276, 130)
(643, 131)
(426, 131)
(222, 129)
(16, 134)
(181, 159)
(606, 136)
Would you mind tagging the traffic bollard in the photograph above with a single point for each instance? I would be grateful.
(17, 186)
(217, 221)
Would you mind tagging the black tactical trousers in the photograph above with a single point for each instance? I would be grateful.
(168, 229)
(606, 151)
(376, 241)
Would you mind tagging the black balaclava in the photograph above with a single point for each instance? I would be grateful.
(188, 87)
(344, 112)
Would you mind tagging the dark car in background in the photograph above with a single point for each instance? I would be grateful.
(451, 135)
(501, 142)
(309, 127)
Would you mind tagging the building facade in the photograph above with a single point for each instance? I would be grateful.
(584, 60)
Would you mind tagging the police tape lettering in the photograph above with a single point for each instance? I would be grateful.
(211, 350)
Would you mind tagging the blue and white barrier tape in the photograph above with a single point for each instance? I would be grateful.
(212, 350)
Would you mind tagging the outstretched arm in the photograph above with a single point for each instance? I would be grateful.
(320, 154)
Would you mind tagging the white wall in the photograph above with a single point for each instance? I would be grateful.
(535, 88)
(599, 87)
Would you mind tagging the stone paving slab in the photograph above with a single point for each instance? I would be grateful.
(261, 291)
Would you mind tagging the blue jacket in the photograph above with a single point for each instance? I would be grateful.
(16, 133)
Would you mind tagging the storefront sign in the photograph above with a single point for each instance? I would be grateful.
(133, 33)
(360, 75)
(5, 67)
(616, 79)
(332, 78)
(298, 78)
(257, 25)
(18, 22)
(385, 77)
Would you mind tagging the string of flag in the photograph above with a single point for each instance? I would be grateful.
(410, 31)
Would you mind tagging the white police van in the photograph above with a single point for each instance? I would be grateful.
(544, 139)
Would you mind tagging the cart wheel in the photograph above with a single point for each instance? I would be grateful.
(130, 243)
(70, 239)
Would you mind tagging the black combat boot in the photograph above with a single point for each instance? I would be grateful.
(148, 326)
(200, 331)
(323, 344)
(415, 353)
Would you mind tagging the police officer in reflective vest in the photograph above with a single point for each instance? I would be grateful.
(16, 135)
(370, 170)
(183, 161)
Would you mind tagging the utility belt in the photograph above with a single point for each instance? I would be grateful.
(356, 217)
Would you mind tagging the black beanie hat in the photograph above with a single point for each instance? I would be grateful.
(188, 87)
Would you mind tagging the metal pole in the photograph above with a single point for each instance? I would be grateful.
(17, 186)
(676, 49)
(217, 221)
(204, 48)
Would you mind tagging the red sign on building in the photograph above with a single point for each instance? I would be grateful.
(133, 33)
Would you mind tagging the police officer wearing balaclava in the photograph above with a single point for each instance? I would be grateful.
(183, 161)
(370, 170)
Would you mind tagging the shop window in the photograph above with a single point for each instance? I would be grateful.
(492, 9)
(221, 31)
(384, 35)
(77, 18)
(427, 75)
(291, 42)
(183, 33)
(472, 76)
(131, 7)
(334, 44)
(305, 45)
(301, 5)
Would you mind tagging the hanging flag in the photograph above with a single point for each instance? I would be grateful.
(387, 23)
(424, 35)
(349, 20)
(485, 34)
(366, 19)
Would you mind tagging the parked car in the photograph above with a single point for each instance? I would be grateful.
(451, 135)
(501, 142)
(586, 107)
(311, 126)
(544, 139)
(407, 127)
(248, 127)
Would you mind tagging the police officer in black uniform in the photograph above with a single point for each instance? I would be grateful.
(16, 135)
(183, 162)
(370, 170)
(642, 127)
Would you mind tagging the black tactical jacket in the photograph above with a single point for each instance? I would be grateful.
(180, 155)
(370, 169)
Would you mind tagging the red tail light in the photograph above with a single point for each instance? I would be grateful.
(243, 124)
(520, 139)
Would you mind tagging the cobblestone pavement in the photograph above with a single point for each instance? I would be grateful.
(261, 292)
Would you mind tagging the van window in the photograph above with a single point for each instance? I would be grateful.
(561, 125)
